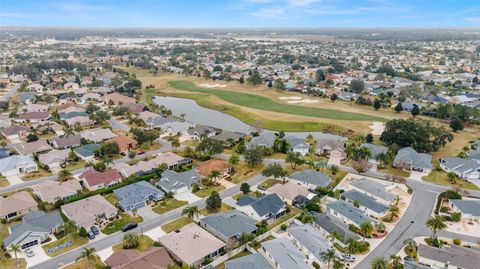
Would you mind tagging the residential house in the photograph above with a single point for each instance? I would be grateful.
(375, 150)
(171, 159)
(118, 99)
(191, 245)
(379, 191)
(54, 158)
(229, 138)
(137, 195)
(97, 135)
(15, 132)
(348, 213)
(89, 211)
(80, 120)
(134, 108)
(366, 203)
(309, 242)
(5, 122)
(284, 255)
(290, 190)
(409, 159)
(466, 169)
(267, 207)
(17, 165)
(147, 115)
(36, 227)
(326, 224)
(198, 131)
(298, 145)
(311, 179)
(125, 143)
(331, 148)
(86, 152)
(94, 180)
(16, 205)
(266, 139)
(181, 182)
(470, 209)
(52, 191)
(67, 142)
(207, 167)
(452, 257)
(33, 117)
(157, 258)
(228, 226)
(252, 261)
(30, 148)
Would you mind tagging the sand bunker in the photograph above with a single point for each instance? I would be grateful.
(377, 128)
(213, 85)
(305, 101)
(290, 98)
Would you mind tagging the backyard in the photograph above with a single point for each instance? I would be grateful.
(440, 177)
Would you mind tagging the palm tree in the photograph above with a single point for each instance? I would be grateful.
(88, 253)
(394, 212)
(396, 261)
(328, 256)
(191, 212)
(379, 263)
(64, 174)
(290, 158)
(334, 169)
(233, 160)
(68, 227)
(15, 248)
(68, 131)
(335, 235)
(214, 175)
(436, 224)
(366, 228)
(130, 240)
(174, 142)
(410, 243)
(307, 218)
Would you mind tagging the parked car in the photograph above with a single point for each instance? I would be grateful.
(90, 235)
(29, 252)
(141, 152)
(348, 258)
(129, 226)
(94, 230)
(407, 258)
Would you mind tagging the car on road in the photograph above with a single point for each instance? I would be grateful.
(141, 152)
(129, 226)
(348, 258)
(90, 235)
(29, 252)
(94, 230)
(408, 258)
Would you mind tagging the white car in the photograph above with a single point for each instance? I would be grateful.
(348, 258)
(29, 252)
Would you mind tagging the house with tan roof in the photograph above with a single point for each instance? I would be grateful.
(118, 99)
(125, 143)
(98, 135)
(155, 258)
(54, 158)
(82, 120)
(28, 149)
(191, 245)
(34, 108)
(171, 159)
(207, 167)
(94, 180)
(33, 117)
(16, 132)
(290, 190)
(16, 205)
(52, 191)
(94, 210)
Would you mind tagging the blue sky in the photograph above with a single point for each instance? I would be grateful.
(241, 13)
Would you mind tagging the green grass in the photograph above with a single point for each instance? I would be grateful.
(263, 103)
(76, 165)
(144, 243)
(293, 212)
(243, 172)
(77, 242)
(224, 208)
(112, 199)
(394, 171)
(10, 263)
(207, 191)
(440, 177)
(172, 204)
(176, 224)
(268, 183)
(85, 263)
(117, 225)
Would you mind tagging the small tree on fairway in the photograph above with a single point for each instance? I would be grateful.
(399, 107)
(214, 202)
(333, 97)
(415, 110)
(377, 104)
(456, 124)
(245, 188)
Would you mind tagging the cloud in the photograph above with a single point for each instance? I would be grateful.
(16, 15)
(473, 19)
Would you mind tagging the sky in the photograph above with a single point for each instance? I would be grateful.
(241, 13)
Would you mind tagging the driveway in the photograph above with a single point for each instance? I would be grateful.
(155, 233)
(187, 196)
(14, 180)
(334, 159)
(146, 213)
(230, 201)
(105, 253)
(40, 256)
(417, 175)
(118, 125)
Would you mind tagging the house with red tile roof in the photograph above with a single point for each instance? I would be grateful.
(94, 180)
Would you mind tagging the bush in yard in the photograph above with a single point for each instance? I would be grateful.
(315, 265)
(214, 201)
(284, 227)
(130, 240)
(83, 232)
(456, 217)
(457, 241)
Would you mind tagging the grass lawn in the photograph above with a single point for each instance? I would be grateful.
(38, 174)
(76, 165)
(270, 182)
(84, 263)
(264, 103)
(440, 177)
(176, 224)
(172, 203)
(337, 177)
(225, 208)
(207, 191)
(77, 242)
(117, 225)
(238, 196)
(3, 182)
(243, 172)
(394, 171)
(112, 198)
(239, 255)
(293, 212)
(10, 263)
(147, 95)
(144, 243)
(190, 143)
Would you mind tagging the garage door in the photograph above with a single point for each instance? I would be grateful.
(29, 244)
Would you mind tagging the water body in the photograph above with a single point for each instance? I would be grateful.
(204, 116)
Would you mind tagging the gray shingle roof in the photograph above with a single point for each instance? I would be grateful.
(352, 213)
(413, 158)
(374, 149)
(365, 201)
(312, 177)
(265, 140)
(310, 239)
(230, 224)
(460, 165)
(173, 180)
(253, 261)
(373, 188)
(285, 254)
(330, 224)
(138, 192)
(471, 207)
(268, 203)
(36, 221)
(67, 141)
(455, 255)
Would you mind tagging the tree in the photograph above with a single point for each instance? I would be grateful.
(214, 175)
(64, 175)
(396, 262)
(275, 170)
(357, 86)
(334, 169)
(245, 238)
(131, 154)
(328, 256)
(280, 145)
(279, 84)
(68, 227)
(394, 212)
(435, 224)
(255, 78)
(88, 253)
(109, 149)
(366, 228)
(399, 107)
(241, 80)
(254, 156)
(174, 142)
(82, 232)
(415, 110)
(15, 248)
(456, 124)
(191, 212)
(233, 160)
(214, 202)
(369, 138)
(333, 97)
(245, 188)
(294, 158)
(210, 146)
(377, 104)
(32, 137)
(307, 218)
(130, 240)
(270, 84)
(320, 75)
(379, 263)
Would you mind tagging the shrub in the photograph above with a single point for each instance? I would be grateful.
(315, 265)
(284, 227)
(444, 209)
(456, 217)
(157, 244)
(195, 187)
(457, 241)
(83, 232)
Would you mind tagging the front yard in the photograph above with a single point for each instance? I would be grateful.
(171, 204)
(224, 208)
(112, 198)
(440, 177)
(208, 190)
(96, 262)
(243, 172)
(77, 241)
(144, 243)
(117, 225)
(176, 224)
(394, 171)
(38, 174)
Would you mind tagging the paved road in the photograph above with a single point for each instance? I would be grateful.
(117, 125)
(105, 242)
(165, 147)
(10, 93)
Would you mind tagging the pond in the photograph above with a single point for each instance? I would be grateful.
(199, 115)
